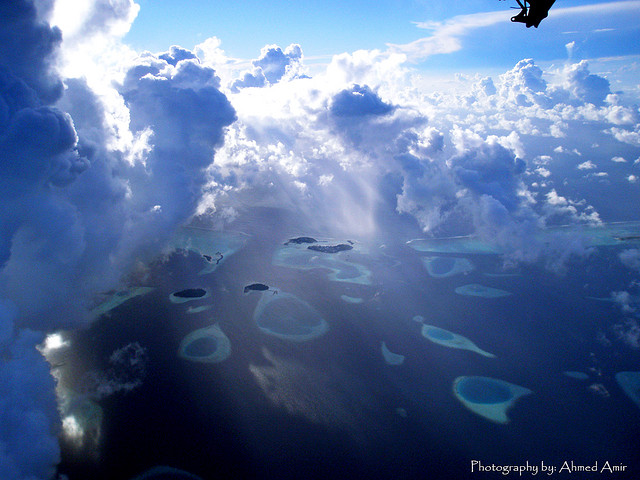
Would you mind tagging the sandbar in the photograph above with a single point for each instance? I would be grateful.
(576, 375)
(201, 308)
(390, 357)
(630, 384)
(477, 290)
(467, 244)
(349, 299)
(452, 340)
(118, 298)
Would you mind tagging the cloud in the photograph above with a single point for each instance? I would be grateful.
(629, 333)
(358, 101)
(28, 437)
(588, 165)
(586, 86)
(446, 36)
(125, 372)
(272, 66)
(81, 182)
(630, 258)
(28, 47)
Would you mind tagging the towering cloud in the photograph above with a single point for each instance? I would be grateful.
(84, 195)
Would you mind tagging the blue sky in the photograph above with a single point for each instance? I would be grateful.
(332, 27)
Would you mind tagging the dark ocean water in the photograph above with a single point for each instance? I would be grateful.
(328, 407)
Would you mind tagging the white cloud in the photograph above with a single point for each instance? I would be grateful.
(588, 165)
(446, 36)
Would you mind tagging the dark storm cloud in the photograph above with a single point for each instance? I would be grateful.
(186, 112)
(27, 47)
(490, 169)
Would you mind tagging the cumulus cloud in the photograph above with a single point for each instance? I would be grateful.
(91, 185)
(454, 163)
(273, 65)
(28, 436)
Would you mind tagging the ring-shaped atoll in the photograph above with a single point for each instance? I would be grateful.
(300, 255)
(442, 267)
(287, 317)
(205, 345)
(488, 397)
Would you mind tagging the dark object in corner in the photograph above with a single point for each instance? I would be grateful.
(532, 15)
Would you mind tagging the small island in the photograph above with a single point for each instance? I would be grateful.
(188, 295)
(258, 287)
(300, 240)
(341, 247)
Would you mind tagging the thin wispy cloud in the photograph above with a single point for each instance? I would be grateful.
(447, 36)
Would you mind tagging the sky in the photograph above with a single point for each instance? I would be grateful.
(121, 121)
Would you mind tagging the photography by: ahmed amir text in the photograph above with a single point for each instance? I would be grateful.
(566, 467)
